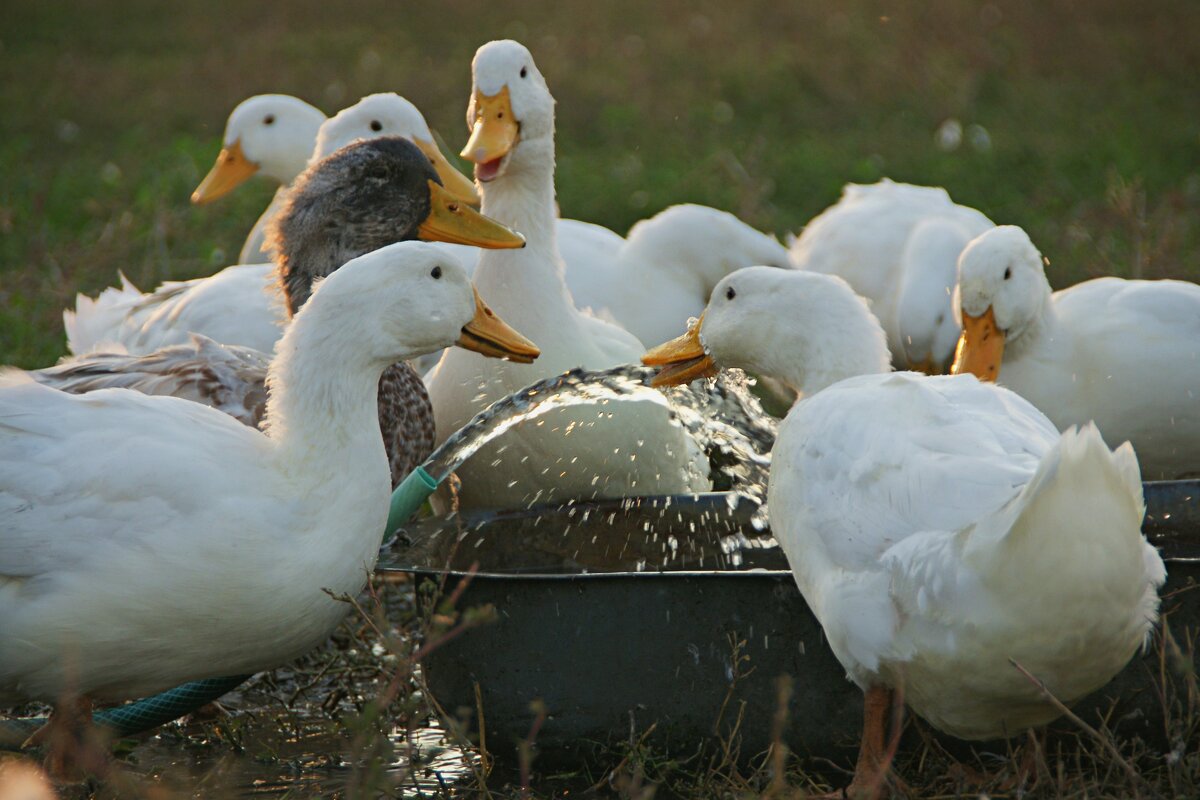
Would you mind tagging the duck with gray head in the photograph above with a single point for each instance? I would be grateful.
(363, 197)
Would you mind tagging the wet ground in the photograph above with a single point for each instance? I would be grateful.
(348, 720)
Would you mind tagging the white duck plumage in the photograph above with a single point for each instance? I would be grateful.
(148, 541)
(937, 527)
(897, 245)
(570, 453)
(372, 193)
(240, 305)
(664, 270)
(1124, 353)
(270, 135)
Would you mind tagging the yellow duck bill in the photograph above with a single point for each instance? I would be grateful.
(681, 360)
(230, 171)
(495, 131)
(980, 347)
(451, 220)
(454, 181)
(489, 335)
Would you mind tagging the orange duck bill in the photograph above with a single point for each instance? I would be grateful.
(980, 348)
(681, 360)
(451, 220)
(491, 336)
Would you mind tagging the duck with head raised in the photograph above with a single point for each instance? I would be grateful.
(615, 450)
(938, 527)
(363, 197)
(150, 541)
(271, 135)
(1123, 353)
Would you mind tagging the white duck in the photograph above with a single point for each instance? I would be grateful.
(897, 245)
(237, 305)
(1124, 353)
(937, 527)
(582, 451)
(149, 541)
(663, 272)
(372, 194)
(389, 114)
(270, 135)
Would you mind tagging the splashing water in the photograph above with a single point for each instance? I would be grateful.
(721, 415)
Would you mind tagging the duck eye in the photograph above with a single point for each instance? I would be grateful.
(524, 72)
(730, 293)
(1007, 273)
(377, 172)
(269, 119)
(436, 273)
(376, 125)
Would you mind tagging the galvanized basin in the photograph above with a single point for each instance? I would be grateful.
(611, 651)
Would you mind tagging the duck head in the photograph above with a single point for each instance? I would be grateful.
(510, 114)
(389, 114)
(806, 329)
(268, 134)
(363, 197)
(1002, 290)
(408, 299)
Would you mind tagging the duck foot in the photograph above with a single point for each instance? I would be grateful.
(872, 772)
(74, 748)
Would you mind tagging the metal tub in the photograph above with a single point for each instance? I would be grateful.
(611, 651)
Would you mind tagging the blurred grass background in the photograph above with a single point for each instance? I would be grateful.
(1078, 120)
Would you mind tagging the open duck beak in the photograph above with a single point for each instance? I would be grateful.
(230, 171)
(451, 220)
(493, 135)
(682, 359)
(980, 348)
(454, 181)
(488, 334)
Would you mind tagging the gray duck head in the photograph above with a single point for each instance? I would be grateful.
(363, 197)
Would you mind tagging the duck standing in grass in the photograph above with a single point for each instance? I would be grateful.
(613, 450)
(270, 135)
(897, 245)
(1124, 353)
(150, 541)
(939, 528)
(363, 197)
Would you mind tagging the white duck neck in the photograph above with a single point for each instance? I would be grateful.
(1038, 335)
(846, 347)
(322, 410)
(526, 284)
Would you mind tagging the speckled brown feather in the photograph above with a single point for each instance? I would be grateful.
(228, 378)
(406, 418)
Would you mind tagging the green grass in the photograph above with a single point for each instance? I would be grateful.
(113, 112)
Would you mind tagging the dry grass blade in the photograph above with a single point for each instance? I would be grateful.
(1136, 780)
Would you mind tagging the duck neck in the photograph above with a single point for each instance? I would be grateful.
(846, 349)
(1038, 334)
(318, 255)
(525, 284)
(321, 408)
